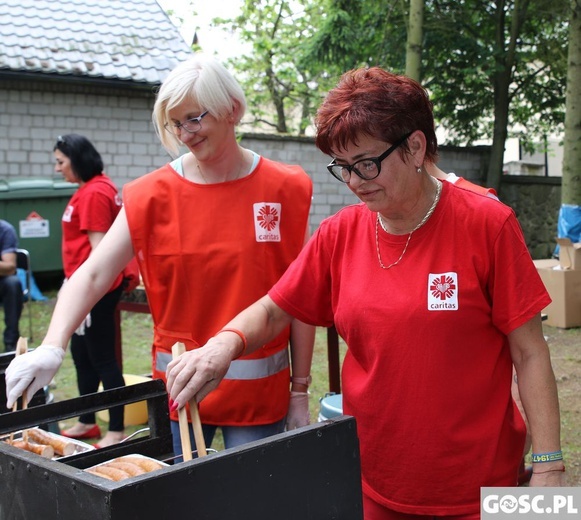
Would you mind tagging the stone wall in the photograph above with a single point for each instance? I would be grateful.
(536, 202)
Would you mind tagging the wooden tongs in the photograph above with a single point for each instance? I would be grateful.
(178, 349)
(21, 348)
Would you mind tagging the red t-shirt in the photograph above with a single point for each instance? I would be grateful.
(93, 207)
(428, 370)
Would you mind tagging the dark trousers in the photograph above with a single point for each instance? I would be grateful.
(94, 357)
(12, 300)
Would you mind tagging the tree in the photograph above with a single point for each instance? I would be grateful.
(489, 65)
(502, 67)
(413, 61)
(571, 185)
(301, 47)
(282, 92)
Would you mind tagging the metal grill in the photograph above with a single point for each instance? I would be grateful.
(309, 473)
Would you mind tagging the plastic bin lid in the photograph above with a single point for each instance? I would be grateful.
(32, 186)
(332, 406)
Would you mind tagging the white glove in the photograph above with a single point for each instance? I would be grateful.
(32, 371)
(85, 324)
(298, 410)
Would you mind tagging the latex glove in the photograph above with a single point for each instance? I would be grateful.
(298, 410)
(85, 324)
(32, 371)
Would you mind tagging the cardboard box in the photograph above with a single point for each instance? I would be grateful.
(548, 263)
(569, 253)
(564, 287)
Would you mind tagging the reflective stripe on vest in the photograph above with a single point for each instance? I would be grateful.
(241, 368)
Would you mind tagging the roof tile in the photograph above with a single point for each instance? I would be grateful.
(128, 40)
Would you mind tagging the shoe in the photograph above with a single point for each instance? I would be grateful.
(97, 446)
(95, 431)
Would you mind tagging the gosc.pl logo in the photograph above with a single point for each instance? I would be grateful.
(559, 503)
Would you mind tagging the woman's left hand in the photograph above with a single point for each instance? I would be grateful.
(298, 411)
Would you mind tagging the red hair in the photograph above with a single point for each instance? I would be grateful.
(377, 103)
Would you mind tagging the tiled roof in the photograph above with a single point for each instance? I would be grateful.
(126, 40)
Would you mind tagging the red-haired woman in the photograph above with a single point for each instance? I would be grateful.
(434, 291)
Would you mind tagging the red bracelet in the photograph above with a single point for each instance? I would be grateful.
(562, 470)
(242, 337)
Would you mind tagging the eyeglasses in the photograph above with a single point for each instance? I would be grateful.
(367, 169)
(192, 125)
(60, 139)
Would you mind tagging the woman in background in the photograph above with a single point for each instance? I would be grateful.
(87, 217)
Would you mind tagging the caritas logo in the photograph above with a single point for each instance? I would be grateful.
(267, 221)
(443, 292)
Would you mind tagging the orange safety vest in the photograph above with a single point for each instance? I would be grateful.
(461, 182)
(205, 253)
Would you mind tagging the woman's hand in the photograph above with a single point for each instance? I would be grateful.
(197, 372)
(32, 371)
(298, 411)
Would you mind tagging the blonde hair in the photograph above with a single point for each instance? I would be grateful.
(206, 83)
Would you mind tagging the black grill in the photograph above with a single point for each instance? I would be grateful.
(309, 473)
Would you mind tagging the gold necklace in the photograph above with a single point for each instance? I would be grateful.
(379, 222)
(200, 172)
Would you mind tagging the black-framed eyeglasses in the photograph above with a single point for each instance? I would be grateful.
(367, 169)
(192, 125)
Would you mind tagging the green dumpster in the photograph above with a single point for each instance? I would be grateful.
(34, 206)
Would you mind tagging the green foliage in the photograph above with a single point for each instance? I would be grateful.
(274, 75)
(466, 64)
(301, 47)
(473, 50)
